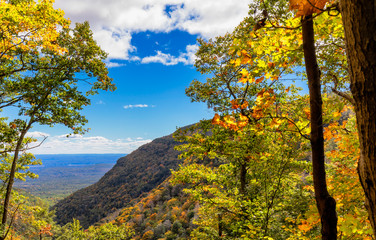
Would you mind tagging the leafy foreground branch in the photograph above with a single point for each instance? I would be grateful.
(41, 62)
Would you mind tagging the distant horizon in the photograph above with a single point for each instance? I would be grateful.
(69, 160)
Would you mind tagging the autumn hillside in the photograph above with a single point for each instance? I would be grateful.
(132, 175)
(165, 213)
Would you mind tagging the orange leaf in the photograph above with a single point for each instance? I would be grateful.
(235, 104)
(246, 57)
(216, 119)
(258, 80)
(305, 226)
(307, 112)
(336, 114)
(307, 7)
(271, 64)
(244, 105)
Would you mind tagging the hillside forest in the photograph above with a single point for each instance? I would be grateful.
(274, 162)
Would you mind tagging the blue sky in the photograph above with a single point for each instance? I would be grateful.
(151, 45)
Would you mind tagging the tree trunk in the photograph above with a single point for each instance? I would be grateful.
(359, 20)
(11, 180)
(220, 226)
(325, 203)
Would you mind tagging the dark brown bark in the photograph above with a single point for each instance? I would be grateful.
(325, 203)
(359, 20)
(220, 227)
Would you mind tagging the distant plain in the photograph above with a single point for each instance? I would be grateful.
(62, 174)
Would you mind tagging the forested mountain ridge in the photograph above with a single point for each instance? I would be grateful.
(132, 175)
(167, 212)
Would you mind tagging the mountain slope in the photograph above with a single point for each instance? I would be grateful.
(165, 213)
(132, 175)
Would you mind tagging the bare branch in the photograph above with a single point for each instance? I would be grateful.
(346, 96)
(342, 94)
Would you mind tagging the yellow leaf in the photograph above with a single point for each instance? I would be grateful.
(261, 64)
(243, 80)
(275, 122)
(244, 72)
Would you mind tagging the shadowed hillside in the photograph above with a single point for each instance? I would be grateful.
(134, 174)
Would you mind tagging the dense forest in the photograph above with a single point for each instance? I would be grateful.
(274, 162)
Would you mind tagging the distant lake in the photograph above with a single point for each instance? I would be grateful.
(62, 174)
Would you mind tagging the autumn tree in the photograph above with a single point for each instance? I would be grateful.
(244, 87)
(27, 29)
(317, 75)
(279, 44)
(359, 21)
(107, 231)
(49, 84)
(246, 182)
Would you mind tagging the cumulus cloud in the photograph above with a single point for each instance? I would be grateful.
(116, 42)
(167, 59)
(75, 144)
(209, 18)
(113, 22)
(137, 106)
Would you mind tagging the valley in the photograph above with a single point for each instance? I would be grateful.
(63, 174)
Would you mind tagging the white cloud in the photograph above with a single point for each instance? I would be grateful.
(167, 59)
(116, 42)
(113, 21)
(75, 144)
(137, 106)
(210, 18)
(114, 64)
(37, 134)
